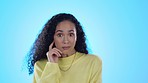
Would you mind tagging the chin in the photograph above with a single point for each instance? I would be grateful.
(65, 52)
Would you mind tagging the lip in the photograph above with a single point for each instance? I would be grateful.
(66, 47)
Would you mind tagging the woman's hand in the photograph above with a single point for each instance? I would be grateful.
(53, 54)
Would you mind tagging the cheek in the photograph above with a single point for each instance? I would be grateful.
(57, 42)
(73, 40)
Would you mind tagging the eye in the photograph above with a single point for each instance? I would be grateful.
(59, 35)
(71, 34)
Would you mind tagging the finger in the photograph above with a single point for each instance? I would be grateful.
(57, 53)
(50, 47)
(58, 50)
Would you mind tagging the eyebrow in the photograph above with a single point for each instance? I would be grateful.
(63, 31)
(71, 31)
(59, 31)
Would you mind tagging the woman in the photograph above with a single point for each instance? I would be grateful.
(59, 54)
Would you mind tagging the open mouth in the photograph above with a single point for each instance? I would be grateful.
(66, 47)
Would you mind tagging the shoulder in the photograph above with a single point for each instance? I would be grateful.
(96, 62)
(94, 58)
(41, 64)
(91, 59)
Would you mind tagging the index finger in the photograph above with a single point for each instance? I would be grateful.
(50, 47)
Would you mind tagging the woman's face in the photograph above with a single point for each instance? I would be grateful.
(65, 37)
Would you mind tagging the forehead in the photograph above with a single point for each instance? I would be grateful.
(66, 26)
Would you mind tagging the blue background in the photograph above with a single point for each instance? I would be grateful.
(117, 31)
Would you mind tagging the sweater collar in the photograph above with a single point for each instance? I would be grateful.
(63, 62)
(67, 60)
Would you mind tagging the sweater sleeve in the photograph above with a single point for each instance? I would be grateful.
(96, 76)
(49, 74)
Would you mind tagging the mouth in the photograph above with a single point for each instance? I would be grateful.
(66, 47)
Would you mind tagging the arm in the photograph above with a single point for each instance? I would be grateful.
(49, 74)
(96, 76)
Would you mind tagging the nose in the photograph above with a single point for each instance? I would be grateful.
(65, 40)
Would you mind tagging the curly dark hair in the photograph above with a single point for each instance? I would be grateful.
(45, 38)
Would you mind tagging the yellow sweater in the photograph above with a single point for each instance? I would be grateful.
(86, 68)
